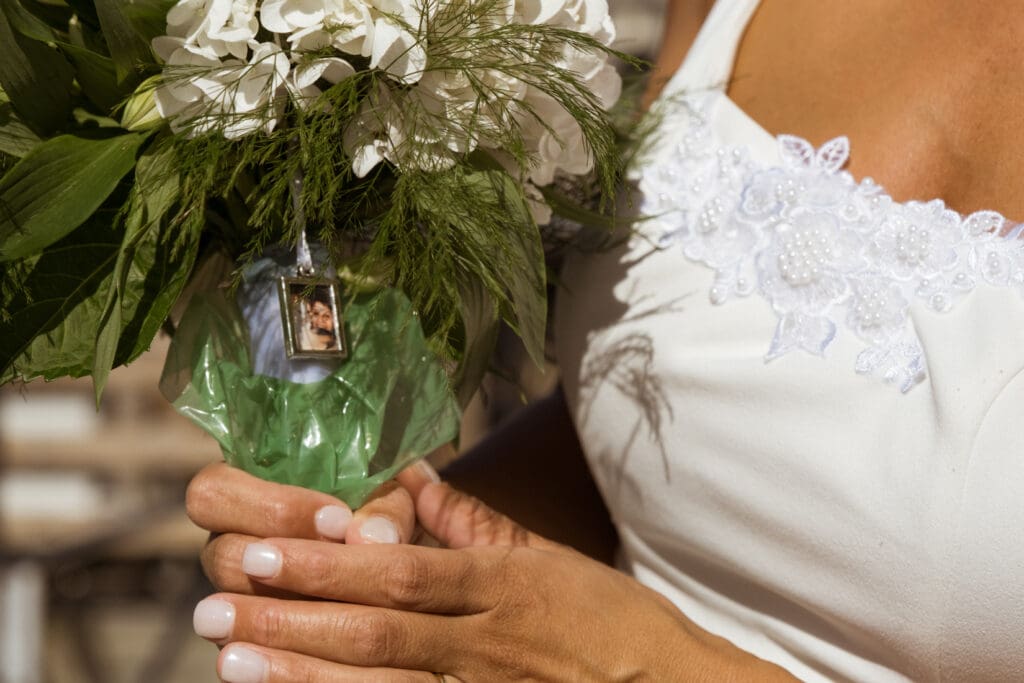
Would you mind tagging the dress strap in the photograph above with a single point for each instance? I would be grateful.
(709, 63)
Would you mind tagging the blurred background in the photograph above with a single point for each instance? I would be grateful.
(98, 562)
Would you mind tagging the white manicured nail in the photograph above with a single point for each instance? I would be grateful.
(242, 665)
(332, 521)
(261, 560)
(427, 471)
(213, 619)
(378, 530)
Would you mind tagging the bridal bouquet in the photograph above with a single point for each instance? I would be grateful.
(331, 204)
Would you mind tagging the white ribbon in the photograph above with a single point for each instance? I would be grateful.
(303, 257)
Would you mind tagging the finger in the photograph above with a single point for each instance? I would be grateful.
(402, 577)
(222, 559)
(389, 516)
(458, 520)
(346, 634)
(418, 475)
(253, 664)
(222, 498)
(413, 479)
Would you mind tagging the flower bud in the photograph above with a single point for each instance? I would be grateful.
(140, 112)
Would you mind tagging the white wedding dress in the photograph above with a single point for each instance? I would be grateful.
(802, 401)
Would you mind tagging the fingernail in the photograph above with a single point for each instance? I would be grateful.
(242, 665)
(213, 619)
(378, 530)
(426, 470)
(261, 560)
(332, 521)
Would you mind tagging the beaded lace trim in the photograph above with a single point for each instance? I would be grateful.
(822, 248)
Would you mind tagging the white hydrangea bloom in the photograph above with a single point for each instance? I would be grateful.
(240, 84)
(347, 26)
(232, 96)
(288, 16)
(397, 51)
(216, 27)
(302, 82)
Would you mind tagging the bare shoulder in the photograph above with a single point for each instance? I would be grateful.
(683, 19)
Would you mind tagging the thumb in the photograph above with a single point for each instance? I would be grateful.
(458, 520)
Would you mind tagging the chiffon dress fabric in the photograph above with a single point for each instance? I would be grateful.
(801, 399)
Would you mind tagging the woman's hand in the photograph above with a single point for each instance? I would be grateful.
(226, 500)
(504, 604)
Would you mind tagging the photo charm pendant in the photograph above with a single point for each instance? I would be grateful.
(311, 318)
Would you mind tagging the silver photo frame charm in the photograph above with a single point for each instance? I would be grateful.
(311, 317)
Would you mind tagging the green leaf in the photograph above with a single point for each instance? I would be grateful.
(87, 122)
(57, 186)
(148, 17)
(16, 138)
(127, 48)
(521, 270)
(35, 76)
(85, 11)
(26, 23)
(480, 328)
(86, 34)
(158, 182)
(52, 302)
(97, 77)
(98, 297)
(52, 14)
(152, 267)
(108, 333)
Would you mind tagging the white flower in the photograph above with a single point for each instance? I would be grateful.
(381, 30)
(303, 78)
(585, 16)
(374, 134)
(381, 132)
(216, 27)
(181, 97)
(233, 97)
(287, 16)
(538, 11)
(397, 51)
(347, 26)
(220, 77)
(539, 207)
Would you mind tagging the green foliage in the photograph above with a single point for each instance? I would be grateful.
(100, 228)
(16, 138)
(57, 186)
(35, 76)
(96, 298)
(52, 303)
(97, 76)
(128, 49)
(464, 234)
(93, 260)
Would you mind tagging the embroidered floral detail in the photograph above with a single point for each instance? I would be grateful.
(820, 247)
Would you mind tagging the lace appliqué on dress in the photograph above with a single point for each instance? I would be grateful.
(822, 248)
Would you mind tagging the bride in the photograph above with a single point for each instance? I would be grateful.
(789, 412)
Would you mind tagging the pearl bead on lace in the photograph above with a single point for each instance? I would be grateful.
(711, 216)
(913, 245)
(805, 254)
(993, 265)
(736, 214)
(870, 309)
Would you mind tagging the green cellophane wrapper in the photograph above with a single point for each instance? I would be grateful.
(384, 407)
